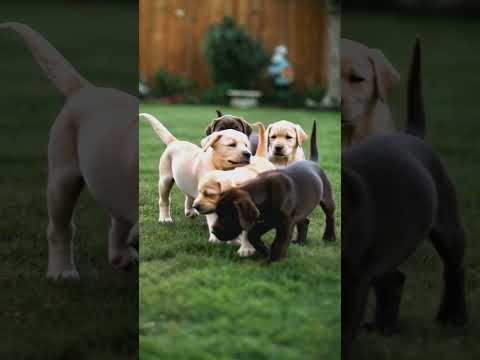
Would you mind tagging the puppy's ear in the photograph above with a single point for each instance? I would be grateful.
(269, 127)
(247, 128)
(248, 213)
(219, 113)
(210, 141)
(385, 74)
(301, 135)
(211, 127)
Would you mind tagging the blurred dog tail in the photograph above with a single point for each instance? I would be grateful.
(58, 70)
(262, 141)
(416, 122)
(162, 132)
(313, 143)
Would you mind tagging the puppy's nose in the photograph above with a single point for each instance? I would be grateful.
(278, 147)
(247, 155)
(196, 206)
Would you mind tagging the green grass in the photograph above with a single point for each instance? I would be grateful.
(96, 318)
(201, 301)
(451, 82)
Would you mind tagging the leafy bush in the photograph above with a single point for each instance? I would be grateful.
(167, 84)
(233, 57)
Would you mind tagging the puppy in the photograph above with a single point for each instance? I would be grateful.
(185, 164)
(277, 199)
(224, 122)
(377, 237)
(93, 142)
(212, 185)
(285, 140)
(367, 78)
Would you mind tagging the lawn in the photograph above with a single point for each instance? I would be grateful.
(201, 301)
(451, 82)
(96, 318)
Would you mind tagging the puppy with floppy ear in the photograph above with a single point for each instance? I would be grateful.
(367, 78)
(210, 141)
(283, 198)
(212, 185)
(385, 74)
(224, 122)
(284, 141)
(248, 213)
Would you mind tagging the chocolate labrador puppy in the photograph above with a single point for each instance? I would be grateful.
(224, 122)
(277, 199)
(395, 193)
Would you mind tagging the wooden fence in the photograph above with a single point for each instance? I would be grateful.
(172, 32)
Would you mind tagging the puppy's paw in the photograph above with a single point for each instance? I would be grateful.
(123, 258)
(246, 251)
(214, 240)
(191, 213)
(68, 275)
(234, 242)
(165, 219)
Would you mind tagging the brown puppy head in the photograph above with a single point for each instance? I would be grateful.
(224, 122)
(236, 213)
(231, 149)
(366, 77)
(284, 137)
(209, 191)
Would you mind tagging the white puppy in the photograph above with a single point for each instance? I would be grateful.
(212, 185)
(285, 140)
(93, 142)
(185, 163)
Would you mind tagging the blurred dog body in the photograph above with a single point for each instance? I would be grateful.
(396, 192)
(93, 141)
(367, 78)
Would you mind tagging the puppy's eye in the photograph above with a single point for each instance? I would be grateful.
(232, 145)
(220, 129)
(289, 137)
(273, 136)
(356, 78)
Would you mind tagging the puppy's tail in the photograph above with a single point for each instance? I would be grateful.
(262, 142)
(313, 143)
(162, 132)
(416, 122)
(58, 70)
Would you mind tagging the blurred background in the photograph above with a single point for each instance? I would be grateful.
(195, 51)
(449, 31)
(97, 317)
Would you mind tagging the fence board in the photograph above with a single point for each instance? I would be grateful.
(172, 32)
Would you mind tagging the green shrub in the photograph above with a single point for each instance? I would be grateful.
(167, 84)
(233, 57)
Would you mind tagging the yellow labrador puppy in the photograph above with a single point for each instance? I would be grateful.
(285, 140)
(212, 185)
(367, 78)
(93, 142)
(184, 164)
